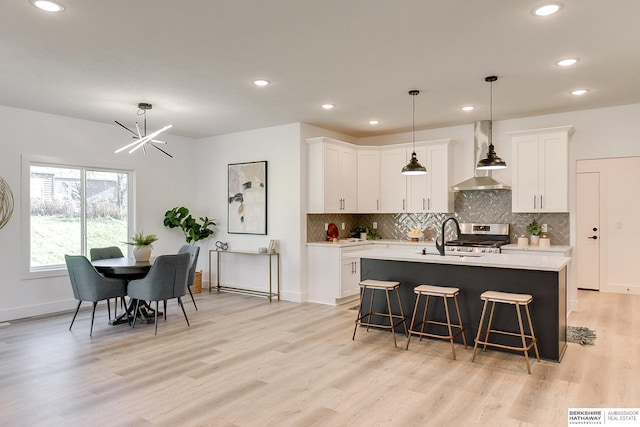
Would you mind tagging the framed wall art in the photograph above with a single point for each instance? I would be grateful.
(247, 201)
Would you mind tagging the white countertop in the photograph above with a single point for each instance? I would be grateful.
(552, 248)
(519, 262)
(355, 242)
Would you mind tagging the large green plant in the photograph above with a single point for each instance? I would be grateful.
(193, 231)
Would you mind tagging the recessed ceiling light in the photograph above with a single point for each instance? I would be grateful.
(547, 9)
(374, 122)
(567, 62)
(47, 5)
(261, 82)
(579, 92)
(468, 108)
(328, 106)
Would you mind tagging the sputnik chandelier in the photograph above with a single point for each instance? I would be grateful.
(141, 138)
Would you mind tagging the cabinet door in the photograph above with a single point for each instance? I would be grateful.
(331, 177)
(439, 198)
(348, 177)
(524, 193)
(368, 181)
(417, 193)
(393, 183)
(553, 179)
(350, 277)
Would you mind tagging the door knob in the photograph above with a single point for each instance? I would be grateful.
(593, 237)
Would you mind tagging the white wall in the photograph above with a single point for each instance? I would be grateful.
(280, 146)
(159, 185)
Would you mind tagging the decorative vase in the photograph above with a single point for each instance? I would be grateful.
(534, 240)
(142, 253)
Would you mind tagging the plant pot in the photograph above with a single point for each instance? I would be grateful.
(142, 253)
(534, 240)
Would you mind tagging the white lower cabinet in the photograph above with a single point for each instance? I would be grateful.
(333, 275)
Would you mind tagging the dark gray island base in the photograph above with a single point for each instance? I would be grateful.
(548, 288)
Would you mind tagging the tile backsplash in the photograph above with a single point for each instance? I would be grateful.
(490, 206)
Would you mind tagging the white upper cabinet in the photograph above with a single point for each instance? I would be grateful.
(540, 170)
(332, 176)
(369, 182)
(344, 178)
(393, 183)
(430, 192)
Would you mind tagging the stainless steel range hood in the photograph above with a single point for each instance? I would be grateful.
(482, 180)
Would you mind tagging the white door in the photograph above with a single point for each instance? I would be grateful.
(588, 230)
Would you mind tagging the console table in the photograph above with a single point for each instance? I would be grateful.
(269, 294)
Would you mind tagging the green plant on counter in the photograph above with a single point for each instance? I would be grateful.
(371, 233)
(140, 239)
(534, 228)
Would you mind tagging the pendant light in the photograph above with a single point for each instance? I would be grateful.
(141, 139)
(492, 161)
(414, 167)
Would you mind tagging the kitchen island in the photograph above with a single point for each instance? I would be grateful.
(545, 278)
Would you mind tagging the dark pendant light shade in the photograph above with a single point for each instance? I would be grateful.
(492, 161)
(414, 167)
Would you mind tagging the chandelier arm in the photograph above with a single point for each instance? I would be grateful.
(149, 137)
(127, 128)
(128, 146)
(158, 148)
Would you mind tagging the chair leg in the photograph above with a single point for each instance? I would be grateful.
(393, 330)
(109, 307)
(475, 346)
(413, 321)
(164, 302)
(359, 315)
(446, 310)
(192, 298)
(156, 316)
(93, 313)
(522, 338)
(135, 313)
(183, 312)
(75, 314)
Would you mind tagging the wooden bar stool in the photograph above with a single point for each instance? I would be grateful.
(518, 300)
(386, 286)
(444, 293)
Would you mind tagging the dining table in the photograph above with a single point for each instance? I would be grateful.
(128, 268)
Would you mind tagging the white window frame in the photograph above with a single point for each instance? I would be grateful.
(29, 272)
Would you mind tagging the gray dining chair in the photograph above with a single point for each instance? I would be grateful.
(89, 285)
(167, 279)
(105, 253)
(194, 251)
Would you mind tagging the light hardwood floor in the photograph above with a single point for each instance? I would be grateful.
(245, 362)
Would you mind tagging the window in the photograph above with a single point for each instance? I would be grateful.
(73, 209)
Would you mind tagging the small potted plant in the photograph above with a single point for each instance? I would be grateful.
(142, 245)
(533, 228)
(364, 233)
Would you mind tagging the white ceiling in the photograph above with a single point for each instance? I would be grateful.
(195, 61)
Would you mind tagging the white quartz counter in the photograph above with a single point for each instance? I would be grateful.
(518, 262)
(382, 242)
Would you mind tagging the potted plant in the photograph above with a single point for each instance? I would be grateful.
(193, 231)
(142, 245)
(533, 228)
(361, 232)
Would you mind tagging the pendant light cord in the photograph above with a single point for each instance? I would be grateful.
(413, 124)
(491, 113)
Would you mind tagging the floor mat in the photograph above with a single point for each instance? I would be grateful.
(581, 335)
